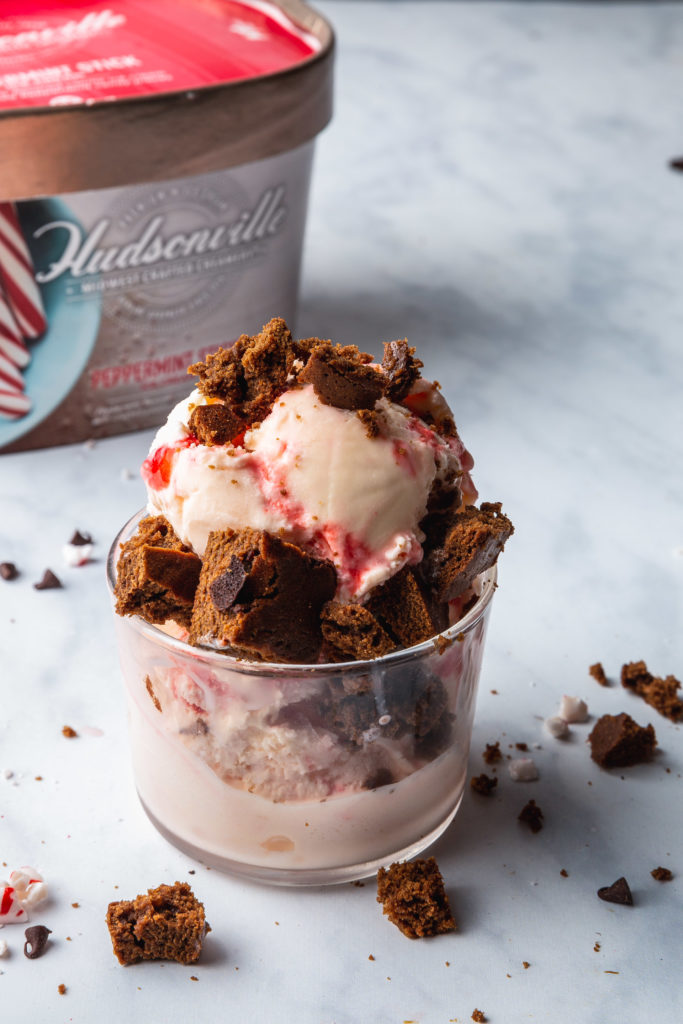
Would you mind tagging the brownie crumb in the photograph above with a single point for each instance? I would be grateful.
(8, 571)
(157, 575)
(413, 897)
(370, 421)
(521, 746)
(341, 377)
(526, 965)
(619, 742)
(492, 754)
(62, 989)
(662, 874)
(215, 424)
(661, 694)
(48, 582)
(532, 816)
(617, 892)
(36, 941)
(69, 732)
(483, 784)
(371, 957)
(280, 592)
(479, 1017)
(598, 673)
(564, 873)
(168, 923)
(401, 367)
(352, 633)
(461, 545)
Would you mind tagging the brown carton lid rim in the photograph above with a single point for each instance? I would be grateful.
(48, 151)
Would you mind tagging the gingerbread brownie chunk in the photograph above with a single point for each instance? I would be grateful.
(661, 694)
(401, 367)
(341, 377)
(483, 784)
(352, 633)
(460, 546)
(261, 596)
(168, 923)
(618, 742)
(531, 815)
(249, 376)
(413, 897)
(598, 673)
(156, 574)
(215, 423)
(399, 606)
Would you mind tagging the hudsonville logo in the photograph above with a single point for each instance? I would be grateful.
(85, 254)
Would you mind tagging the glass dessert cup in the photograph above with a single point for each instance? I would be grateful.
(300, 774)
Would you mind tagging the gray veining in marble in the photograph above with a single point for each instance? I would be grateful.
(495, 186)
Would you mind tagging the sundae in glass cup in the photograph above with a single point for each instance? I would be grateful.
(301, 611)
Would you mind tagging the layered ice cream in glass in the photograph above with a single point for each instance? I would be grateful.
(301, 611)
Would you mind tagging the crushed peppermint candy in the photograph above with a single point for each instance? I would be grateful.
(557, 727)
(3, 947)
(25, 889)
(523, 769)
(573, 709)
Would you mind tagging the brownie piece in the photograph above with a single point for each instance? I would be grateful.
(412, 703)
(461, 545)
(167, 923)
(483, 784)
(399, 606)
(352, 633)
(492, 754)
(662, 874)
(598, 673)
(261, 596)
(618, 742)
(156, 575)
(401, 367)
(661, 694)
(249, 376)
(215, 423)
(341, 377)
(413, 897)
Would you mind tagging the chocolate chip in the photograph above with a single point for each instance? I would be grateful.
(79, 539)
(617, 892)
(48, 582)
(8, 570)
(676, 164)
(36, 941)
(227, 586)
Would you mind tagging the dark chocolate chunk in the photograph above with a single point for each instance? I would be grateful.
(8, 570)
(676, 163)
(48, 582)
(618, 742)
(225, 588)
(532, 816)
(340, 378)
(79, 539)
(36, 941)
(617, 892)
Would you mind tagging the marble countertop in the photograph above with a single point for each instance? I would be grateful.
(495, 186)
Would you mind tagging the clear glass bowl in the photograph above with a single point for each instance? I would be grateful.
(300, 774)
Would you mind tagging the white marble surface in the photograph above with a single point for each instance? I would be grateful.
(495, 186)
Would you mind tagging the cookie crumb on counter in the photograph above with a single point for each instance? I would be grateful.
(69, 732)
(662, 874)
(483, 784)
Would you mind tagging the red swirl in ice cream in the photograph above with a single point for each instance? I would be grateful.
(310, 473)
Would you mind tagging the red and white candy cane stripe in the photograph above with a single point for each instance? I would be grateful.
(14, 403)
(11, 910)
(11, 342)
(16, 270)
(10, 375)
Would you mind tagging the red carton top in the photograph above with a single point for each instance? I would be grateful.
(73, 52)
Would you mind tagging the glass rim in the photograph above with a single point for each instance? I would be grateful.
(278, 668)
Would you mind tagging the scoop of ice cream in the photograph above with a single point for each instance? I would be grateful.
(319, 476)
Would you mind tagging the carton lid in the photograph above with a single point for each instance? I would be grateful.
(99, 94)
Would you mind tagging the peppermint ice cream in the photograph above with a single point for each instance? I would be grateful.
(311, 527)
